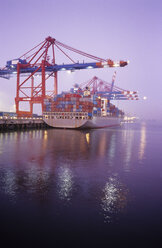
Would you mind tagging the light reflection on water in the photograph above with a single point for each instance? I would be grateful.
(128, 137)
(36, 180)
(111, 151)
(87, 138)
(65, 184)
(142, 142)
(9, 186)
(114, 198)
(34, 163)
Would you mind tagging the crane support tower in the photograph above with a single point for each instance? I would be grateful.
(37, 62)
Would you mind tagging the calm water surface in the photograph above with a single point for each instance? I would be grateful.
(82, 188)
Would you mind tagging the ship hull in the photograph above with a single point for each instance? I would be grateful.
(101, 122)
(95, 122)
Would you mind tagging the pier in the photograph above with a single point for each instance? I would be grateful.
(21, 123)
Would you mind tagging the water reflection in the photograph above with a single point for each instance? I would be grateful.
(9, 185)
(127, 140)
(34, 163)
(65, 184)
(111, 151)
(37, 180)
(88, 138)
(102, 144)
(142, 141)
(114, 198)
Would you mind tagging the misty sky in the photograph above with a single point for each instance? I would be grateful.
(126, 29)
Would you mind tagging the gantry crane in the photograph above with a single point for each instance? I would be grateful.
(37, 62)
(107, 90)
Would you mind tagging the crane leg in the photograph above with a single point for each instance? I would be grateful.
(55, 83)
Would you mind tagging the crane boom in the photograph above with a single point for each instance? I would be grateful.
(24, 68)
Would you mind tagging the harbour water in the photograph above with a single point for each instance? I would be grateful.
(74, 188)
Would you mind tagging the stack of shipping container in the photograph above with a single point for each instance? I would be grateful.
(78, 102)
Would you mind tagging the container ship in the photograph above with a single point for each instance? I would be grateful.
(81, 109)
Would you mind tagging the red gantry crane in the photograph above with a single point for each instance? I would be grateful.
(37, 62)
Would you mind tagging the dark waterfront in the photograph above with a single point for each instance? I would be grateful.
(82, 188)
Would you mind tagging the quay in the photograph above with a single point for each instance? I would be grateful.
(21, 123)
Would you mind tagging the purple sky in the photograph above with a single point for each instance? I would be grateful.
(125, 29)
